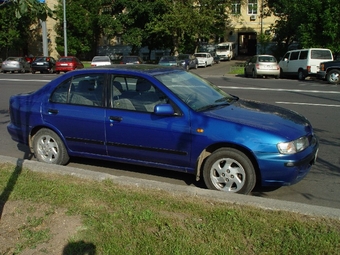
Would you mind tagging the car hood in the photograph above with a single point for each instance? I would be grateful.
(271, 118)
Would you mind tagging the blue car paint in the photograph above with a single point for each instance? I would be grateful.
(170, 142)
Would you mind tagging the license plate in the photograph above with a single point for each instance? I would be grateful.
(39, 63)
(63, 64)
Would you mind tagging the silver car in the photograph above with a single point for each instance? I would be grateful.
(15, 64)
(262, 66)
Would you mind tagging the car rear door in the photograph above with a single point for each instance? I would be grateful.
(74, 110)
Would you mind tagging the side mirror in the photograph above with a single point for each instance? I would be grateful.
(164, 110)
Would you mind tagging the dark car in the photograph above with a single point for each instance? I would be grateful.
(216, 57)
(329, 71)
(66, 64)
(164, 117)
(43, 65)
(187, 61)
(131, 60)
(15, 64)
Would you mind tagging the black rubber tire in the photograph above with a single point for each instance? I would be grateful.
(236, 171)
(49, 148)
(333, 76)
(301, 76)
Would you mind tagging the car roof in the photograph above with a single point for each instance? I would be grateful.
(136, 69)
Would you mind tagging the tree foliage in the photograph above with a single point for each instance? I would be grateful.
(313, 23)
(34, 7)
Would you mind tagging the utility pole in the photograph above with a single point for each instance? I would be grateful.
(44, 34)
(65, 32)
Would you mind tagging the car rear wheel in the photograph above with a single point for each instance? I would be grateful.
(301, 75)
(229, 170)
(333, 76)
(49, 148)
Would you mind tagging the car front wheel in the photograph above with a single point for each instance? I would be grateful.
(229, 170)
(333, 76)
(49, 148)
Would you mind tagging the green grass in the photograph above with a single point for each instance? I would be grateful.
(236, 69)
(131, 220)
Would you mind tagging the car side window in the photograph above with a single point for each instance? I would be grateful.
(135, 94)
(294, 55)
(303, 54)
(81, 90)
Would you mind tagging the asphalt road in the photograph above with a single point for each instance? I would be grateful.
(318, 101)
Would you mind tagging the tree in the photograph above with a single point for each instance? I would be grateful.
(21, 7)
(15, 33)
(310, 22)
(83, 30)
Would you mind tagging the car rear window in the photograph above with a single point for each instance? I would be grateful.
(321, 54)
(100, 58)
(65, 60)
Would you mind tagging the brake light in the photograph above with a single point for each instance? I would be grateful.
(322, 67)
(93, 64)
(257, 66)
(308, 69)
(47, 59)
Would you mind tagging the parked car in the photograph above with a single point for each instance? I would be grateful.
(262, 65)
(164, 117)
(0, 62)
(69, 63)
(329, 71)
(303, 62)
(43, 65)
(187, 61)
(101, 61)
(168, 61)
(131, 60)
(204, 59)
(15, 64)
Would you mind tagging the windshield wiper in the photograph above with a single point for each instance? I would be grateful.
(227, 99)
(212, 106)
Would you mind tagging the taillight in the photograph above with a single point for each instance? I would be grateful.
(257, 66)
(93, 65)
(308, 69)
(322, 67)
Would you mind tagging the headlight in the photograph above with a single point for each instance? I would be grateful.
(293, 146)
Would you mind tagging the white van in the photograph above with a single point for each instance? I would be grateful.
(226, 50)
(303, 62)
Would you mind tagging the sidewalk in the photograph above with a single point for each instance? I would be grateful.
(264, 203)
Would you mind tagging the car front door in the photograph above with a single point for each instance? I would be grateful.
(138, 134)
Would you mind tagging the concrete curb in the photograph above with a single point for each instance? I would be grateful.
(259, 202)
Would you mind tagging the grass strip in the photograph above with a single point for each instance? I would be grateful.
(117, 219)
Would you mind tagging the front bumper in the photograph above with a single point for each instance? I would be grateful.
(284, 170)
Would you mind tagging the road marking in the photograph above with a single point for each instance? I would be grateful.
(309, 104)
(24, 80)
(283, 90)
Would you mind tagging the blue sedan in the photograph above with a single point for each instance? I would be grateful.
(164, 117)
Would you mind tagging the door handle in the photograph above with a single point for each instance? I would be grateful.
(53, 111)
(116, 118)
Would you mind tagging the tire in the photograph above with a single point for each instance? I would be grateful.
(57, 72)
(196, 66)
(254, 75)
(245, 73)
(229, 170)
(205, 64)
(187, 67)
(301, 76)
(33, 72)
(49, 148)
(333, 76)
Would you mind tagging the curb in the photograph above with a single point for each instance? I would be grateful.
(237, 199)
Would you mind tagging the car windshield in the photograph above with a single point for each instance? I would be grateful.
(101, 59)
(222, 47)
(12, 59)
(196, 92)
(267, 59)
(182, 57)
(201, 55)
(65, 59)
(167, 59)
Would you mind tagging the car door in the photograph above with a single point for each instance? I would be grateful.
(284, 63)
(74, 110)
(138, 134)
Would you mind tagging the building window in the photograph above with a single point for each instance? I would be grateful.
(252, 6)
(236, 7)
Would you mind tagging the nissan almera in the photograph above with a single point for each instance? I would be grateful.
(164, 117)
